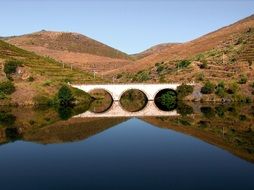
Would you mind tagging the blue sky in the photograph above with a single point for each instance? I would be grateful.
(128, 25)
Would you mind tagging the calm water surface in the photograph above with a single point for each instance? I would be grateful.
(126, 153)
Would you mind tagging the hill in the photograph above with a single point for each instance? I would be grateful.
(36, 75)
(72, 48)
(224, 55)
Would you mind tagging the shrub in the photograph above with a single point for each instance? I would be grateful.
(183, 64)
(7, 87)
(184, 109)
(142, 76)
(207, 111)
(160, 68)
(243, 79)
(220, 90)
(208, 88)
(219, 110)
(7, 118)
(184, 90)
(11, 66)
(65, 96)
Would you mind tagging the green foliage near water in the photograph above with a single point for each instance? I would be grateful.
(184, 109)
(65, 96)
(184, 90)
(220, 90)
(6, 118)
(208, 88)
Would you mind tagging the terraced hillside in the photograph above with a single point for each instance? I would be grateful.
(73, 49)
(37, 75)
(234, 42)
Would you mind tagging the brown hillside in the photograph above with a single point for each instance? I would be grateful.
(217, 39)
(72, 48)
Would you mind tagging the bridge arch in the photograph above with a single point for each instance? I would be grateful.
(100, 105)
(138, 90)
(168, 105)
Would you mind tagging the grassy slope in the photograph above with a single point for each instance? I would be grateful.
(73, 48)
(48, 74)
(234, 41)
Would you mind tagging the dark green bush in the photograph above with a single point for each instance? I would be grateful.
(7, 87)
(184, 109)
(220, 90)
(183, 64)
(208, 88)
(208, 112)
(65, 96)
(7, 119)
(160, 68)
(184, 90)
(220, 111)
(11, 66)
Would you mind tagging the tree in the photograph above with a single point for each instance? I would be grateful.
(65, 96)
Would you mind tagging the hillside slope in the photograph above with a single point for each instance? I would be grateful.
(223, 55)
(72, 48)
(220, 39)
(37, 75)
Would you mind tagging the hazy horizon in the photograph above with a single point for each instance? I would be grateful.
(130, 26)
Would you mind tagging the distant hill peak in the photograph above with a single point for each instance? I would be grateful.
(69, 41)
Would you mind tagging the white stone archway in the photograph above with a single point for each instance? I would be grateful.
(116, 90)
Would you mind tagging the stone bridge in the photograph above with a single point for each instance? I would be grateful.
(116, 90)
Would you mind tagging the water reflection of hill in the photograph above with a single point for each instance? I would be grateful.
(228, 127)
(74, 129)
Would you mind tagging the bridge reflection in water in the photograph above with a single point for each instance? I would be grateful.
(116, 110)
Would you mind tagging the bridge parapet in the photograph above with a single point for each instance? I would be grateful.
(116, 90)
